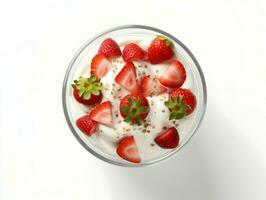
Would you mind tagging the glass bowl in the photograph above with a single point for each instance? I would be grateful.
(81, 59)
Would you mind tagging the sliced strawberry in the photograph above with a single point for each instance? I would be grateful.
(100, 66)
(175, 75)
(86, 125)
(168, 139)
(127, 149)
(109, 48)
(102, 114)
(151, 87)
(127, 78)
(133, 52)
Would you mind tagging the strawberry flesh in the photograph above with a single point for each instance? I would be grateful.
(127, 150)
(168, 139)
(151, 87)
(100, 66)
(174, 76)
(102, 114)
(127, 78)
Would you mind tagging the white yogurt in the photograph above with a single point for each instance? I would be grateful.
(157, 120)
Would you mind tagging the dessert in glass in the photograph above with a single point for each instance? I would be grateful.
(134, 95)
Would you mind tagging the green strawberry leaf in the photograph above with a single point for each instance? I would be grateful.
(87, 95)
(131, 101)
(95, 92)
(125, 109)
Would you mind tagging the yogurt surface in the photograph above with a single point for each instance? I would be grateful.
(105, 139)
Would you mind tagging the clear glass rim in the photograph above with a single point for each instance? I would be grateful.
(155, 160)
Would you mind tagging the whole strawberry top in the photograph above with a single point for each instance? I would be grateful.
(87, 90)
(181, 103)
(160, 50)
(109, 48)
(134, 108)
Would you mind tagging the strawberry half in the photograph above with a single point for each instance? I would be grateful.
(174, 76)
(160, 50)
(134, 108)
(102, 114)
(181, 103)
(86, 125)
(168, 139)
(127, 78)
(87, 90)
(109, 48)
(151, 87)
(100, 66)
(128, 150)
(133, 52)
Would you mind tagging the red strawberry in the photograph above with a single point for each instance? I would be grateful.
(102, 114)
(174, 76)
(109, 48)
(160, 50)
(127, 78)
(100, 66)
(86, 125)
(128, 150)
(181, 103)
(168, 139)
(87, 90)
(133, 52)
(134, 108)
(151, 87)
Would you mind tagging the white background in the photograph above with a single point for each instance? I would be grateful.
(40, 158)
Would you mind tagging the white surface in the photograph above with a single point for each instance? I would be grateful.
(40, 158)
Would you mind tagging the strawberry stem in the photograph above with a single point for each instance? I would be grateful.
(176, 107)
(134, 111)
(87, 87)
(168, 42)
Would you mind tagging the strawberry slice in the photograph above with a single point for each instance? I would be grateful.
(109, 48)
(151, 87)
(175, 75)
(127, 78)
(127, 149)
(132, 52)
(86, 125)
(168, 139)
(102, 114)
(100, 66)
